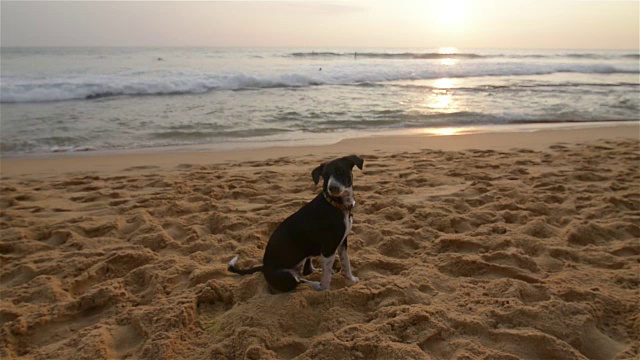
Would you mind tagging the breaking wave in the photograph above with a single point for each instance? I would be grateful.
(150, 83)
(437, 56)
(374, 55)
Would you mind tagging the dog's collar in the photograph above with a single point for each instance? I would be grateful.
(335, 203)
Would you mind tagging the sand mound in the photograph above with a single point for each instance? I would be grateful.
(475, 254)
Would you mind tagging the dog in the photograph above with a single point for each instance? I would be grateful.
(319, 228)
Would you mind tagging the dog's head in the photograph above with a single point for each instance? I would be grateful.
(338, 178)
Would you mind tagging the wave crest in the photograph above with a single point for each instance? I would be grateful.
(374, 55)
(24, 90)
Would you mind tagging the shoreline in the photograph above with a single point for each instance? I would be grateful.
(450, 139)
(322, 139)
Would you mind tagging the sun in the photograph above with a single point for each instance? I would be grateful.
(451, 14)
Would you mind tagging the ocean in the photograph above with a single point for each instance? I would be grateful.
(105, 99)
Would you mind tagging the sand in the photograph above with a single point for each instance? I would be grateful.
(492, 246)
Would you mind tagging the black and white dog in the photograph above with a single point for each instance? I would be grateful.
(320, 228)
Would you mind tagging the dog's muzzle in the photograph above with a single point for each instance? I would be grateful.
(336, 189)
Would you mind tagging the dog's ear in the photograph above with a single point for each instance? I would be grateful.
(315, 174)
(355, 160)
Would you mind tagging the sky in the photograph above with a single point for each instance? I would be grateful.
(534, 24)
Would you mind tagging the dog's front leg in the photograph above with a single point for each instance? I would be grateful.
(327, 271)
(344, 261)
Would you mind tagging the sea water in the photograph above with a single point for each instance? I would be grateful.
(73, 99)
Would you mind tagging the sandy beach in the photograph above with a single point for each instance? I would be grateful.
(483, 246)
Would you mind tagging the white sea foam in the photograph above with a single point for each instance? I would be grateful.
(118, 98)
(145, 83)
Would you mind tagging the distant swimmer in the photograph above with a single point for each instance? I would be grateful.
(320, 69)
(160, 59)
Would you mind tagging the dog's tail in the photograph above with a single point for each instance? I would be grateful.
(232, 267)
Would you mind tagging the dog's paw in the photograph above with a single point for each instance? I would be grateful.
(316, 285)
(353, 278)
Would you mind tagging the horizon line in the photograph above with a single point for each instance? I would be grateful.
(312, 47)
